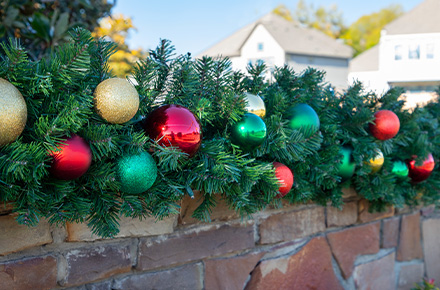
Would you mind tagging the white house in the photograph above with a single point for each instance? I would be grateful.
(276, 41)
(408, 55)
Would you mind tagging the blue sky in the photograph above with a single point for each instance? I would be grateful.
(195, 25)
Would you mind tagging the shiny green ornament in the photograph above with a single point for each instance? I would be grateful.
(136, 173)
(400, 169)
(346, 168)
(303, 116)
(249, 132)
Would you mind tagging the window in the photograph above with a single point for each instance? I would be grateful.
(260, 46)
(398, 52)
(430, 50)
(414, 51)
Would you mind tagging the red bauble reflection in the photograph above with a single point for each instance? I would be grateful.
(72, 160)
(285, 178)
(386, 125)
(422, 172)
(174, 125)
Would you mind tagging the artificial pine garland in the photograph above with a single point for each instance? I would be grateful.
(60, 104)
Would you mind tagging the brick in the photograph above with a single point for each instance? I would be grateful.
(185, 277)
(349, 243)
(221, 212)
(128, 227)
(104, 285)
(390, 232)
(431, 238)
(292, 225)
(91, 264)
(365, 216)
(15, 237)
(195, 245)
(310, 268)
(410, 246)
(33, 273)
(409, 275)
(236, 269)
(378, 274)
(345, 217)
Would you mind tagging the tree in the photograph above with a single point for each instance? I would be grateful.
(365, 32)
(328, 20)
(42, 26)
(117, 29)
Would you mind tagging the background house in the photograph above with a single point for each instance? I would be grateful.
(408, 55)
(277, 41)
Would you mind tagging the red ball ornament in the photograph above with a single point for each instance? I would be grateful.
(174, 125)
(285, 178)
(71, 160)
(386, 125)
(422, 172)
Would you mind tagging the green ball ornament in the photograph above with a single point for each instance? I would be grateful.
(136, 173)
(303, 116)
(249, 132)
(346, 168)
(400, 169)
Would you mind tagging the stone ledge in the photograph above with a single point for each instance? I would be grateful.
(365, 216)
(77, 232)
(15, 237)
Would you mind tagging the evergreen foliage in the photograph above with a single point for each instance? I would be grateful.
(59, 95)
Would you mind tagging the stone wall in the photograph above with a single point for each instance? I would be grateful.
(294, 247)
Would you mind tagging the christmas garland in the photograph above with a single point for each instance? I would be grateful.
(78, 145)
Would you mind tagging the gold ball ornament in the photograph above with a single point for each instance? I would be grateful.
(13, 112)
(116, 100)
(255, 105)
(376, 163)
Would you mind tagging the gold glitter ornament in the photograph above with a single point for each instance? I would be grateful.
(255, 105)
(116, 100)
(13, 112)
(376, 162)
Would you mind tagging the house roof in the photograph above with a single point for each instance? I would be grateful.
(290, 36)
(366, 61)
(422, 19)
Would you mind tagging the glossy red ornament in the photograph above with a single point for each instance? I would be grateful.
(285, 178)
(72, 160)
(174, 125)
(386, 125)
(422, 172)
